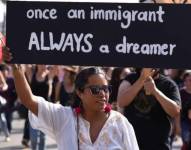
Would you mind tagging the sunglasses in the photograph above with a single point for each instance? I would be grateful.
(96, 89)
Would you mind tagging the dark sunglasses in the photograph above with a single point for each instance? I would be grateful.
(96, 89)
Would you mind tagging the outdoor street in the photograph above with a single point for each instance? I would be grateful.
(16, 137)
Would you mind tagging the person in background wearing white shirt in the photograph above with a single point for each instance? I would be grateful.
(89, 125)
(2, 16)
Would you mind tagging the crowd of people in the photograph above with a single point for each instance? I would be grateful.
(97, 107)
(83, 114)
(156, 103)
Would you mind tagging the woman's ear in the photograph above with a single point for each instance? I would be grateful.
(79, 94)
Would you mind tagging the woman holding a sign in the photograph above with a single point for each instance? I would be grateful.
(88, 124)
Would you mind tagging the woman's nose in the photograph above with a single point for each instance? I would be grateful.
(102, 92)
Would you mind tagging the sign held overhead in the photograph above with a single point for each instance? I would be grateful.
(104, 34)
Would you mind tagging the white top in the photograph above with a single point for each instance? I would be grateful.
(60, 123)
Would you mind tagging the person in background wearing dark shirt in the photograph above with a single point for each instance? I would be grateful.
(150, 102)
(40, 85)
(9, 94)
(65, 88)
(185, 94)
(118, 74)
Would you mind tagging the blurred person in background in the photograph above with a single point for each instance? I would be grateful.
(150, 101)
(3, 16)
(23, 111)
(53, 76)
(9, 94)
(186, 111)
(3, 121)
(177, 76)
(108, 71)
(65, 88)
(40, 85)
(118, 74)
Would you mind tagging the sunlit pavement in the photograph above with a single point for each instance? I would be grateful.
(16, 138)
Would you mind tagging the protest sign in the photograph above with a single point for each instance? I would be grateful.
(103, 34)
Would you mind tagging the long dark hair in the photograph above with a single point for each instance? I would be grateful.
(81, 80)
(115, 82)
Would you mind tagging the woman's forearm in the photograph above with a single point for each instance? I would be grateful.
(23, 89)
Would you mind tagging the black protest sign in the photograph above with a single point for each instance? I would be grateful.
(104, 34)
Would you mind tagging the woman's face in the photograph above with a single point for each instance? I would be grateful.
(41, 68)
(67, 75)
(95, 94)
